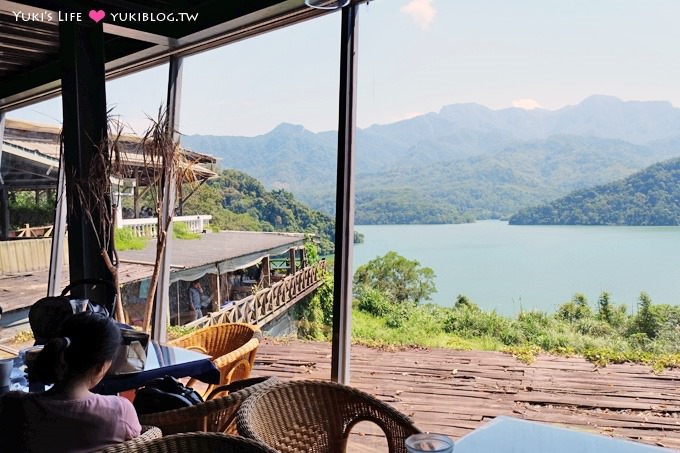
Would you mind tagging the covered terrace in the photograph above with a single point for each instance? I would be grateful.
(46, 57)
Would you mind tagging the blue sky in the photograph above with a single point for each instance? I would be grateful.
(416, 56)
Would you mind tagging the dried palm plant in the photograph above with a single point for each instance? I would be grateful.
(93, 195)
(165, 170)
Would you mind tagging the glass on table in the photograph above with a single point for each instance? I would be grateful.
(79, 305)
(429, 442)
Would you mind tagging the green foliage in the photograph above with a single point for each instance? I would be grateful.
(574, 329)
(180, 230)
(464, 301)
(126, 240)
(372, 301)
(24, 209)
(314, 314)
(311, 251)
(398, 278)
(646, 320)
(358, 238)
(470, 322)
(649, 197)
(575, 310)
(240, 202)
(405, 207)
(605, 312)
(179, 331)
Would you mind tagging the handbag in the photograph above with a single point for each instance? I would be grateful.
(164, 394)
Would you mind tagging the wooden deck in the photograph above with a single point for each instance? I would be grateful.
(454, 392)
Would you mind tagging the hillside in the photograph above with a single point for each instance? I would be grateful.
(649, 197)
(464, 162)
(238, 201)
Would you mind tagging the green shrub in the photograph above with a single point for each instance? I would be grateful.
(373, 302)
(180, 230)
(577, 308)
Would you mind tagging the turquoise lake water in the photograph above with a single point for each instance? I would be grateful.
(508, 267)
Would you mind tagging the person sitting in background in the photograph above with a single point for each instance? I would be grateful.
(69, 417)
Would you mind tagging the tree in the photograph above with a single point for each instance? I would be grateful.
(645, 320)
(400, 279)
(574, 310)
(604, 308)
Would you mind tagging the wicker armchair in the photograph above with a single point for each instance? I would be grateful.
(196, 442)
(217, 414)
(315, 416)
(232, 347)
(149, 433)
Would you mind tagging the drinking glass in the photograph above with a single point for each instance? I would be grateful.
(79, 305)
(429, 442)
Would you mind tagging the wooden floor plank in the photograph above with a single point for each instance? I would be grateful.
(455, 392)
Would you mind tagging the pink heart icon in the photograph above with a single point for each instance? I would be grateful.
(97, 15)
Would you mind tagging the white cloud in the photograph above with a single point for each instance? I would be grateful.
(527, 104)
(421, 11)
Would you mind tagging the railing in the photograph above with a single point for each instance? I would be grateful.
(268, 303)
(32, 232)
(148, 227)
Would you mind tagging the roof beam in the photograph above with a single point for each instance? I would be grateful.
(139, 35)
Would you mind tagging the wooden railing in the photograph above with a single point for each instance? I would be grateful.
(148, 227)
(32, 232)
(268, 303)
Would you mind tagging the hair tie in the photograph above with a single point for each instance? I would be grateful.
(68, 342)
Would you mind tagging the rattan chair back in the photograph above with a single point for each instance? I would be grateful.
(148, 433)
(217, 414)
(232, 347)
(196, 443)
(315, 416)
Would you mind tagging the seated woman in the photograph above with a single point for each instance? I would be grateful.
(68, 417)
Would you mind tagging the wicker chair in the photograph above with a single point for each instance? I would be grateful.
(231, 346)
(315, 416)
(217, 414)
(149, 433)
(195, 442)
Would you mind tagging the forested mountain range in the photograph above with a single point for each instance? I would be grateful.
(648, 197)
(464, 162)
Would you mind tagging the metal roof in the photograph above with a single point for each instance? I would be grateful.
(226, 250)
(30, 157)
(137, 35)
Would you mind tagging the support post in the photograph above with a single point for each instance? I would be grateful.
(58, 236)
(162, 312)
(4, 200)
(4, 190)
(344, 208)
(135, 196)
(266, 272)
(85, 130)
(217, 303)
(291, 260)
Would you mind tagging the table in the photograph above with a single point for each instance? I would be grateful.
(512, 435)
(161, 360)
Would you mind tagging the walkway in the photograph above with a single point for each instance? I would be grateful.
(455, 392)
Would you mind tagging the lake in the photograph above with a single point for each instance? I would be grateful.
(510, 267)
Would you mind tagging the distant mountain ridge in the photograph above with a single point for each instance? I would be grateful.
(648, 197)
(466, 161)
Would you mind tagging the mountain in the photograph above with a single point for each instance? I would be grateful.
(464, 162)
(238, 201)
(648, 197)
